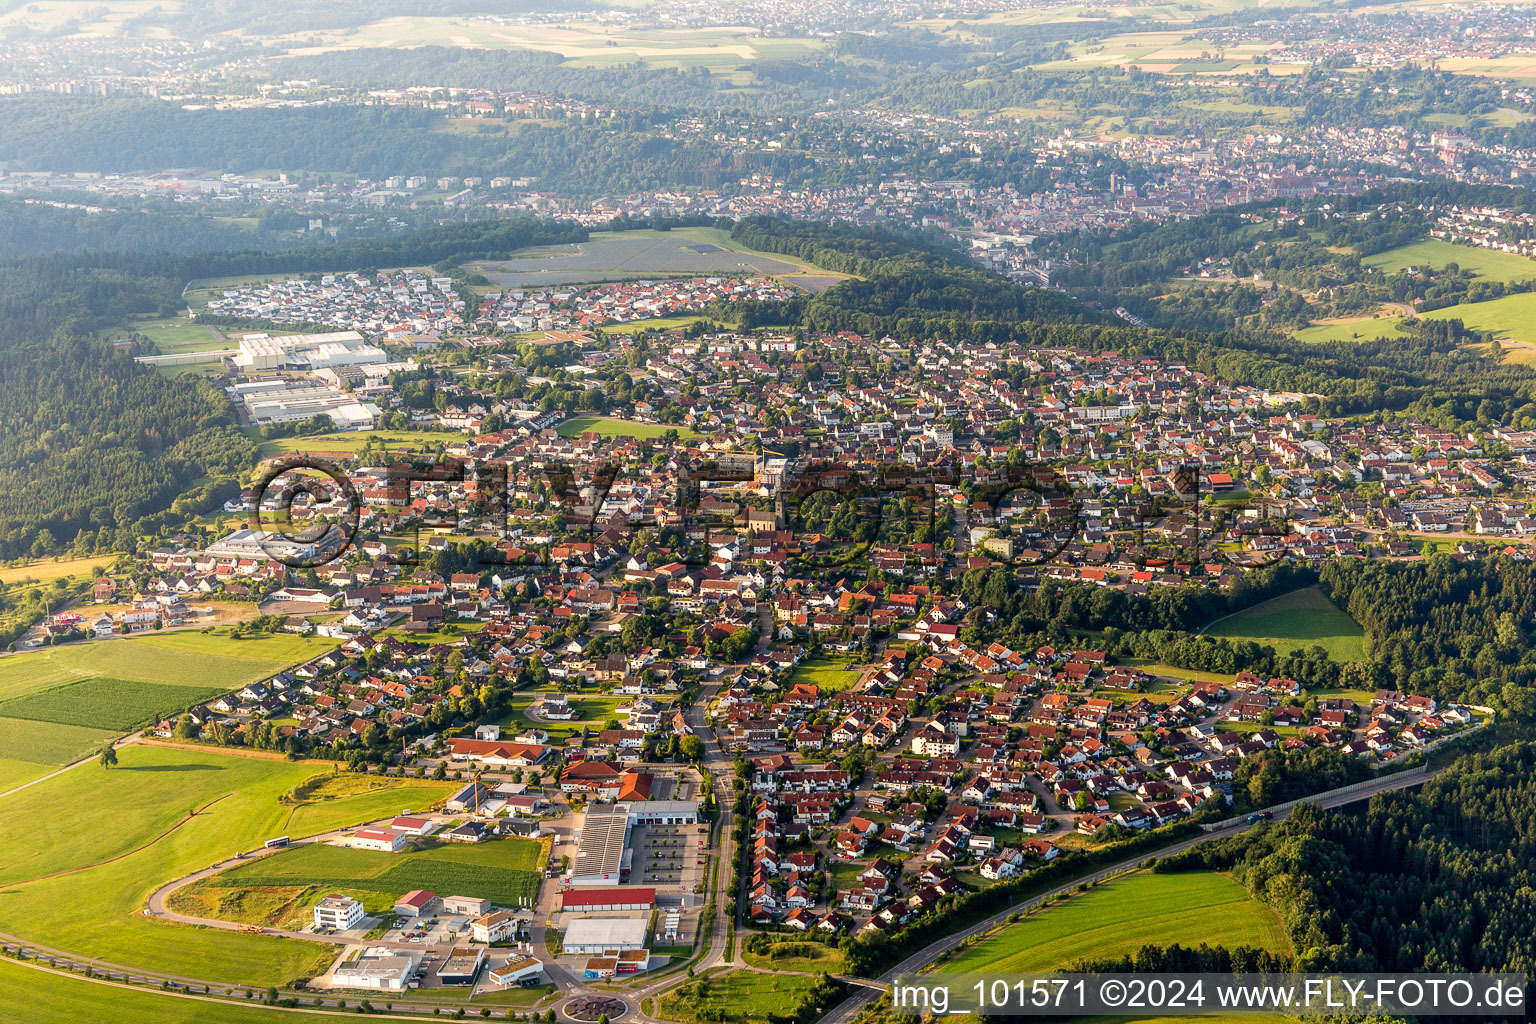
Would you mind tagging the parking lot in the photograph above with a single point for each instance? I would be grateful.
(668, 857)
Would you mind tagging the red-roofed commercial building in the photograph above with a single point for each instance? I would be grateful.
(621, 898)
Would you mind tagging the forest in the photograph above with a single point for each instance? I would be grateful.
(102, 450)
(1433, 880)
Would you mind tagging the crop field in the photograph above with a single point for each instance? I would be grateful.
(1488, 264)
(617, 428)
(581, 43)
(1302, 618)
(49, 743)
(47, 572)
(830, 674)
(1122, 916)
(503, 870)
(105, 703)
(185, 659)
(161, 814)
(612, 256)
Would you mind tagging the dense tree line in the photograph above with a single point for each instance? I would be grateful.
(1431, 881)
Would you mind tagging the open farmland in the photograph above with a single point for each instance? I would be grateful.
(626, 255)
(1122, 916)
(50, 743)
(1489, 264)
(1302, 618)
(105, 703)
(503, 871)
(48, 571)
(165, 812)
(183, 659)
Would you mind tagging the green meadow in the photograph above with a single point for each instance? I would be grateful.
(1302, 618)
(1122, 916)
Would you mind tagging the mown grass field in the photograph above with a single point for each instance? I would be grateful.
(797, 956)
(1121, 917)
(1488, 264)
(503, 870)
(616, 428)
(14, 773)
(592, 711)
(353, 441)
(105, 703)
(1302, 618)
(1358, 329)
(739, 997)
(163, 813)
(29, 996)
(830, 674)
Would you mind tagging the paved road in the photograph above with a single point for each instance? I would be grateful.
(851, 1006)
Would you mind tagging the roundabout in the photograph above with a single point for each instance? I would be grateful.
(594, 1008)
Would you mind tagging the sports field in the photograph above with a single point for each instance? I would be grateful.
(503, 871)
(1293, 621)
(617, 428)
(616, 255)
(161, 814)
(1121, 917)
(1489, 264)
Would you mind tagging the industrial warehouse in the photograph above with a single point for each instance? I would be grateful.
(603, 854)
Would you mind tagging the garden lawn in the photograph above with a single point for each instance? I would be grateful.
(830, 674)
(1291, 622)
(501, 870)
(105, 703)
(1122, 916)
(82, 887)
